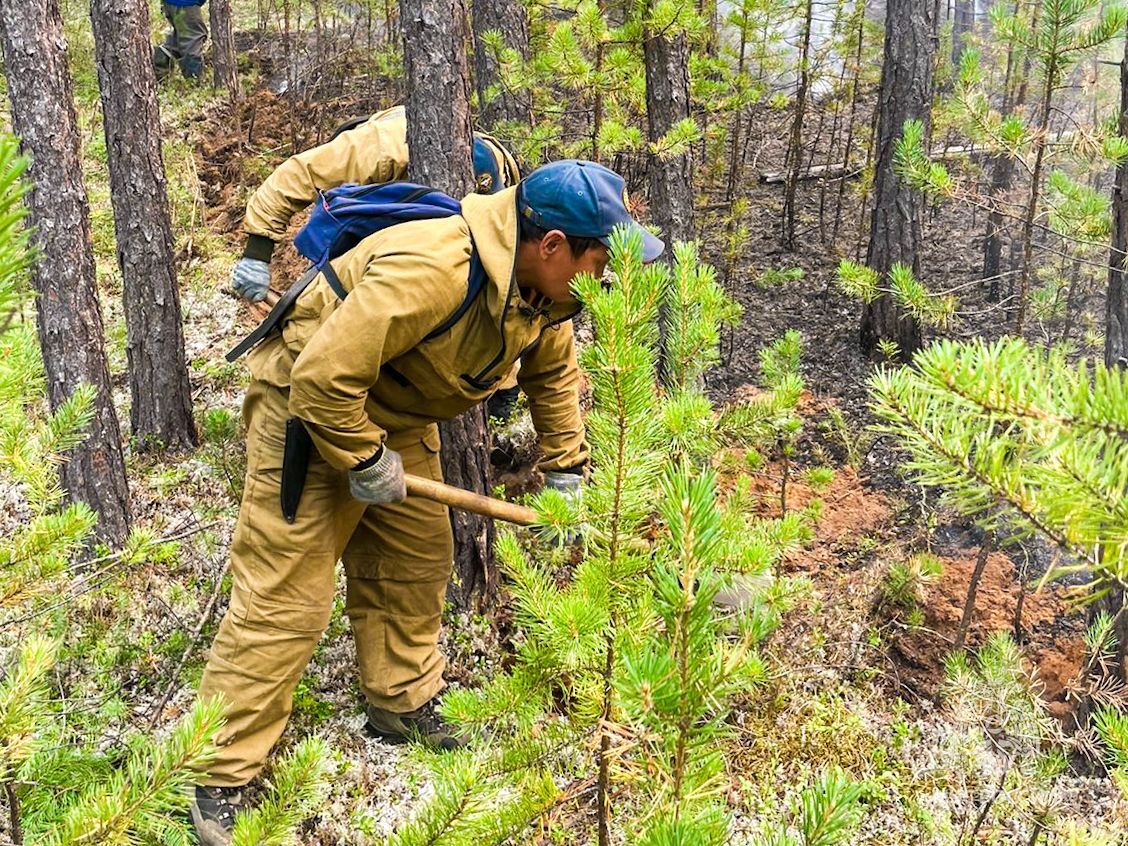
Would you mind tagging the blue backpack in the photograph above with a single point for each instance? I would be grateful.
(342, 218)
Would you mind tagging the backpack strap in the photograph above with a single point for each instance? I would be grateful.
(475, 285)
(276, 314)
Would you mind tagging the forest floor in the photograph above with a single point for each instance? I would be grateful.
(853, 682)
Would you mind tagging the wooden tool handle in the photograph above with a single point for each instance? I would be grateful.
(454, 497)
(463, 500)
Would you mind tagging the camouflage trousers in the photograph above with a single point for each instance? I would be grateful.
(184, 43)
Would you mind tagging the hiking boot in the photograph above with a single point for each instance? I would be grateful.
(213, 814)
(424, 725)
(502, 403)
(192, 67)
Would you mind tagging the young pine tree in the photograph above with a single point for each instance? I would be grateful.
(627, 666)
(1022, 437)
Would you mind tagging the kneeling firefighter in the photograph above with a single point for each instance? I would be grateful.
(414, 325)
(366, 152)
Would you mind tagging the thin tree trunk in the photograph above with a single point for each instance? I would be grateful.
(854, 89)
(1002, 170)
(161, 397)
(69, 321)
(1032, 206)
(1116, 308)
(972, 590)
(667, 103)
(509, 18)
(734, 142)
(906, 93)
(795, 143)
(671, 178)
(963, 21)
(224, 64)
(435, 35)
(597, 103)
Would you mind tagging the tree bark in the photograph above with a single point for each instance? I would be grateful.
(795, 142)
(667, 103)
(509, 18)
(1116, 308)
(438, 94)
(224, 63)
(666, 58)
(439, 137)
(161, 407)
(963, 21)
(906, 93)
(466, 464)
(69, 321)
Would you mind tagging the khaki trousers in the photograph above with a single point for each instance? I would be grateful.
(397, 562)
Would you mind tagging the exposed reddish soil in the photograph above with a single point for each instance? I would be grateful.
(850, 510)
(1051, 636)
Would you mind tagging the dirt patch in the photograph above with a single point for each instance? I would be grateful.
(1052, 638)
(850, 511)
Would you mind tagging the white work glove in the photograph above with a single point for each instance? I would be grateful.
(251, 278)
(380, 482)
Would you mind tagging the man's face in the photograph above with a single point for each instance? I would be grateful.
(557, 266)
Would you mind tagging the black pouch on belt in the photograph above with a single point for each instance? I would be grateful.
(295, 463)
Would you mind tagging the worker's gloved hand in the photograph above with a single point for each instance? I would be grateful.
(251, 278)
(571, 485)
(379, 480)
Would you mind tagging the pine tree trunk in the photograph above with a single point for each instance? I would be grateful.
(1116, 308)
(795, 142)
(667, 103)
(224, 64)
(906, 93)
(69, 321)
(509, 18)
(161, 397)
(1032, 207)
(855, 88)
(963, 21)
(1002, 172)
(671, 178)
(438, 134)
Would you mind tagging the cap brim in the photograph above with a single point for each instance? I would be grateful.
(652, 246)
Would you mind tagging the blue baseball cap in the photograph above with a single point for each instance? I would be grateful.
(581, 198)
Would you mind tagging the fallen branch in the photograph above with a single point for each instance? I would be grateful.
(158, 709)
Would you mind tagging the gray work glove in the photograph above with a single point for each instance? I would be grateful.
(251, 278)
(571, 485)
(381, 481)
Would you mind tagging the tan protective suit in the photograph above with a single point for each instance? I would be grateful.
(372, 153)
(359, 374)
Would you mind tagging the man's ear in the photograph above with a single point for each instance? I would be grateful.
(552, 242)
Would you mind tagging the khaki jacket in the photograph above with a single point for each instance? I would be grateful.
(359, 368)
(372, 153)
